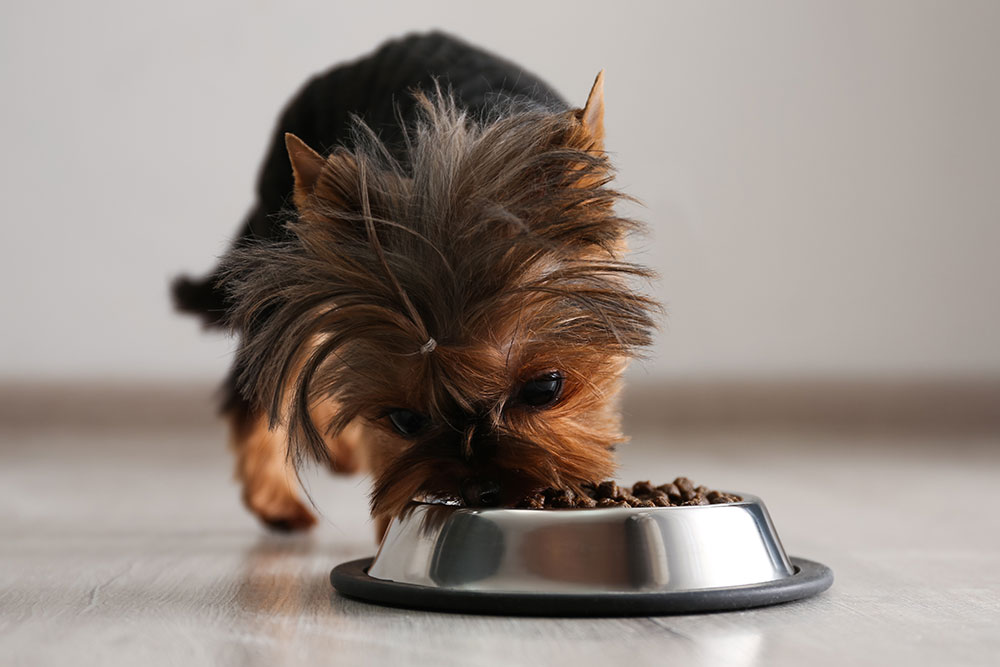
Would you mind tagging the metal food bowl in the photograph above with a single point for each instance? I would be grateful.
(595, 562)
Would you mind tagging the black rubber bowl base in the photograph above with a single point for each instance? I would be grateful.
(351, 579)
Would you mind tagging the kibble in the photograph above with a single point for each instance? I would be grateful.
(673, 493)
(680, 492)
(607, 489)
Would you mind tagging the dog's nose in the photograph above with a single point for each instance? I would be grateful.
(478, 492)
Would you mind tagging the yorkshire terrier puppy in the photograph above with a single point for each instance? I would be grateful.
(430, 287)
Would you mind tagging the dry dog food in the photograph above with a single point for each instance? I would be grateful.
(681, 491)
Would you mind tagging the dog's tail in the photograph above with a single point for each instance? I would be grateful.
(201, 297)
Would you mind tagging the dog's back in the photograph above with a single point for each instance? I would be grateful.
(378, 89)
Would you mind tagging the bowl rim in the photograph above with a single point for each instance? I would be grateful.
(747, 499)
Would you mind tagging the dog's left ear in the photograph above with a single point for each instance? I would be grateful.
(591, 116)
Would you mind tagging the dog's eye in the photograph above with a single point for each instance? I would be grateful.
(543, 390)
(407, 422)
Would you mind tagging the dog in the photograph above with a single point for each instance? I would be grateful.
(430, 287)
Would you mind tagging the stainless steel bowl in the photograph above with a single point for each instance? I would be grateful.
(633, 559)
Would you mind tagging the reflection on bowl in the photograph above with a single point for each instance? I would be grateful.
(612, 550)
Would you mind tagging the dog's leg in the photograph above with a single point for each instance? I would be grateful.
(268, 478)
(270, 486)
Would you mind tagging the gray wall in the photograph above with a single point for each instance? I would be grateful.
(820, 178)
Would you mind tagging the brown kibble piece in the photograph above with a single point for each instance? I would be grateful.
(630, 499)
(686, 487)
(607, 489)
(697, 499)
(608, 502)
(672, 492)
(562, 498)
(535, 501)
(643, 489)
(660, 499)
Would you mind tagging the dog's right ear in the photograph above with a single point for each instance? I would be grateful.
(306, 167)
(322, 183)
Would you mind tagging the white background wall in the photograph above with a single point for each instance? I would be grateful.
(821, 178)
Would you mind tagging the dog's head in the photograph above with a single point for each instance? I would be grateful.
(469, 307)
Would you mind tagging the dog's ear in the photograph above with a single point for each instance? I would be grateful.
(306, 167)
(331, 180)
(306, 163)
(586, 134)
(591, 116)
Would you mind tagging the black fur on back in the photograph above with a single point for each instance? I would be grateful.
(378, 89)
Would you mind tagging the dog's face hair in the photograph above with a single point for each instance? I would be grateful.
(470, 306)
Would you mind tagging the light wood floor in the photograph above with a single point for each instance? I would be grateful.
(124, 544)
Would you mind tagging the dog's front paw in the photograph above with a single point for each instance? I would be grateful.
(280, 511)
